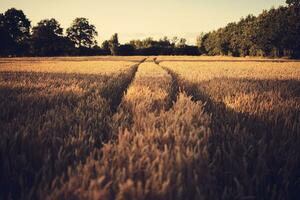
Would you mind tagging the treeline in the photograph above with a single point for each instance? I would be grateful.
(149, 46)
(17, 38)
(47, 38)
(273, 33)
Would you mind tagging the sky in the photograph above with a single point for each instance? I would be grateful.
(138, 19)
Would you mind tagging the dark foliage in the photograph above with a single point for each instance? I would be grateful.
(14, 32)
(82, 33)
(274, 33)
(47, 39)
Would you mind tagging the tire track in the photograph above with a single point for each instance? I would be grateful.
(119, 89)
(238, 145)
(142, 99)
(174, 85)
(159, 151)
(215, 108)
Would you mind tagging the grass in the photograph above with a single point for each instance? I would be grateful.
(166, 128)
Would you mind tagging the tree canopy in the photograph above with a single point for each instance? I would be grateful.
(82, 33)
(14, 32)
(47, 38)
(273, 33)
(17, 24)
(114, 44)
(293, 2)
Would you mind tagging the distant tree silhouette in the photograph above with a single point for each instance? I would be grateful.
(174, 41)
(17, 24)
(82, 33)
(163, 42)
(15, 32)
(105, 47)
(293, 2)
(182, 42)
(200, 44)
(6, 40)
(47, 39)
(273, 33)
(126, 50)
(114, 44)
(163, 46)
(138, 44)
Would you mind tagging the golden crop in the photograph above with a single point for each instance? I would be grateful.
(155, 155)
(52, 118)
(78, 67)
(255, 109)
(120, 128)
(262, 89)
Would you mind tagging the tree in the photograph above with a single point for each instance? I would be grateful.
(14, 31)
(148, 42)
(17, 24)
(163, 42)
(114, 44)
(82, 33)
(50, 27)
(105, 46)
(47, 39)
(273, 33)
(5, 39)
(293, 2)
(138, 44)
(174, 41)
(126, 50)
(200, 43)
(182, 42)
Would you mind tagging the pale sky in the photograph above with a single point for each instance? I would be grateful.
(137, 19)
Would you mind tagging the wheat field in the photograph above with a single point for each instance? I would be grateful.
(149, 128)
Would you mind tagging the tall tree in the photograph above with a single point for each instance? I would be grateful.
(14, 31)
(114, 44)
(6, 40)
(174, 41)
(47, 39)
(17, 24)
(182, 42)
(200, 42)
(105, 45)
(82, 33)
